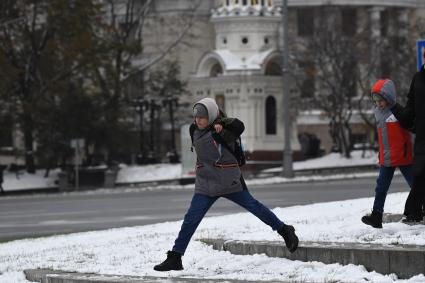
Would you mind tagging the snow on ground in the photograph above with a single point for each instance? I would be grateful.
(156, 172)
(358, 157)
(25, 181)
(135, 250)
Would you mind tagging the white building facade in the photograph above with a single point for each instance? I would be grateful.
(243, 72)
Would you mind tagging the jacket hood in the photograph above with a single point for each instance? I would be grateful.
(212, 108)
(385, 88)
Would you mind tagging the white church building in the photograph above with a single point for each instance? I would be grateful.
(243, 73)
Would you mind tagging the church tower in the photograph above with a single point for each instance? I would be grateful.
(243, 73)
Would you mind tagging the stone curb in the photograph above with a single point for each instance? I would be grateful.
(405, 261)
(54, 276)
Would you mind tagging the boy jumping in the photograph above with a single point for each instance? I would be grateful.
(218, 175)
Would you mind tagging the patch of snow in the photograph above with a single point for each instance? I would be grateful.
(25, 181)
(155, 172)
(334, 160)
(135, 250)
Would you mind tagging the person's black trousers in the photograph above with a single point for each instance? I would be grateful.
(415, 202)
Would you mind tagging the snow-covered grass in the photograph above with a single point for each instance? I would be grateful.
(146, 173)
(26, 181)
(134, 251)
(358, 157)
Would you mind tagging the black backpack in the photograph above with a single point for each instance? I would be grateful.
(238, 153)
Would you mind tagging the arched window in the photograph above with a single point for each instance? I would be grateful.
(221, 101)
(271, 116)
(273, 69)
(216, 70)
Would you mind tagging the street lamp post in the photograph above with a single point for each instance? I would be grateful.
(153, 107)
(172, 102)
(287, 151)
(142, 104)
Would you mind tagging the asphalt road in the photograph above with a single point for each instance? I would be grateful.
(33, 216)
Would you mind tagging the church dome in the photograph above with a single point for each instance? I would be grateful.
(244, 8)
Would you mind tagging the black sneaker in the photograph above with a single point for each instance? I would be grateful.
(288, 234)
(374, 219)
(412, 218)
(173, 262)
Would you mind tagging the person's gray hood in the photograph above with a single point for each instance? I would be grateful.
(386, 89)
(211, 107)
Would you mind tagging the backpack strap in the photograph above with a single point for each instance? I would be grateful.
(229, 149)
(191, 131)
(220, 140)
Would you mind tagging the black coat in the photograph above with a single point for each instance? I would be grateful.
(412, 117)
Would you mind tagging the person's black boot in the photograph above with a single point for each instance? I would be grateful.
(173, 262)
(374, 219)
(412, 218)
(288, 234)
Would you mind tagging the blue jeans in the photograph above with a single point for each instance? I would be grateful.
(384, 181)
(200, 205)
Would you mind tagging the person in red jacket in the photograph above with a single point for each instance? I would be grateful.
(395, 149)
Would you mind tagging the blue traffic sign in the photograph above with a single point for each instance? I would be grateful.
(420, 47)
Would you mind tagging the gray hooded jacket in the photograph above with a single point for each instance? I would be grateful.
(395, 143)
(217, 170)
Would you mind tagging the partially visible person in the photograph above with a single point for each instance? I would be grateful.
(1, 178)
(395, 150)
(412, 117)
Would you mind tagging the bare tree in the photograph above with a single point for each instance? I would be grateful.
(344, 67)
(123, 35)
(46, 46)
(42, 43)
(395, 59)
(334, 60)
(164, 84)
(124, 60)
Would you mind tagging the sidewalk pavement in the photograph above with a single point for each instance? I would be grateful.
(403, 260)
(51, 276)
